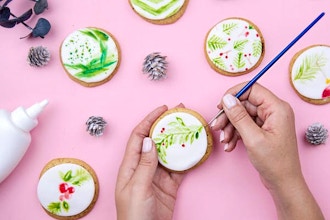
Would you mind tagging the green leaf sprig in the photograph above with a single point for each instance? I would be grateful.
(78, 178)
(176, 132)
(310, 66)
(41, 28)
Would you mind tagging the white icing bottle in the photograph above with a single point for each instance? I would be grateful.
(15, 135)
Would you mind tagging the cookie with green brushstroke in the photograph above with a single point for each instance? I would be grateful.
(68, 188)
(159, 11)
(234, 46)
(310, 74)
(90, 56)
(183, 139)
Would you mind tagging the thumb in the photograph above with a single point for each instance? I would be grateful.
(240, 118)
(146, 168)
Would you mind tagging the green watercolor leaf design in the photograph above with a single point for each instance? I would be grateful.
(218, 62)
(310, 66)
(240, 44)
(216, 42)
(228, 28)
(57, 207)
(54, 207)
(176, 132)
(66, 206)
(96, 65)
(257, 48)
(239, 61)
(78, 178)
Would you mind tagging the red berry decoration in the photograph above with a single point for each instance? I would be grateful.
(63, 187)
(326, 92)
(71, 189)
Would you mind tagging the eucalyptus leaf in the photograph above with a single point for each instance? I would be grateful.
(12, 22)
(42, 28)
(40, 6)
(4, 13)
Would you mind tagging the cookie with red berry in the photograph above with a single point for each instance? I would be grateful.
(310, 74)
(183, 139)
(68, 188)
(234, 46)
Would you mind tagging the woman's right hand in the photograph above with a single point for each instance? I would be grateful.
(266, 126)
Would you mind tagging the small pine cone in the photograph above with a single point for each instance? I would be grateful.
(316, 134)
(95, 125)
(155, 65)
(38, 56)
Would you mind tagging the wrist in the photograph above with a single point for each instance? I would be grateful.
(293, 200)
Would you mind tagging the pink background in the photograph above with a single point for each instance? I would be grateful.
(226, 185)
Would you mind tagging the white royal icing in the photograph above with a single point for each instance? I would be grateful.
(82, 55)
(49, 193)
(234, 45)
(185, 151)
(310, 72)
(157, 9)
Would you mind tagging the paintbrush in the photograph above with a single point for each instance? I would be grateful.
(270, 64)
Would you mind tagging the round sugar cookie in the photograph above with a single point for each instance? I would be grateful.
(159, 11)
(90, 56)
(234, 46)
(310, 74)
(68, 188)
(183, 139)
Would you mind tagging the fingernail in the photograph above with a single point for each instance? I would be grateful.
(213, 122)
(226, 147)
(222, 135)
(229, 100)
(147, 145)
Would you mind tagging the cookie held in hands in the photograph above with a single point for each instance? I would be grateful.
(182, 138)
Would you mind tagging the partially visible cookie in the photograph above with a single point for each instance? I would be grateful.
(310, 74)
(159, 11)
(68, 188)
(182, 138)
(234, 46)
(90, 56)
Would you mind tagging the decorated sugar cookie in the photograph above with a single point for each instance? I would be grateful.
(90, 56)
(159, 11)
(310, 74)
(182, 138)
(68, 188)
(234, 46)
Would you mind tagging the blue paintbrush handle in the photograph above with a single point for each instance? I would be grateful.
(252, 81)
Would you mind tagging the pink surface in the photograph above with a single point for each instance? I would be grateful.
(225, 186)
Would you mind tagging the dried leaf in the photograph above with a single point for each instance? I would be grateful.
(40, 6)
(41, 29)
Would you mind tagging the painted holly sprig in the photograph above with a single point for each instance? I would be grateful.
(176, 132)
(67, 189)
(98, 64)
(9, 20)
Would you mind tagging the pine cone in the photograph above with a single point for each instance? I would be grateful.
(95, 125)
(155, 65)
(38, 56)
(316, 134)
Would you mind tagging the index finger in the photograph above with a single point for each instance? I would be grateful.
(134, 144)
